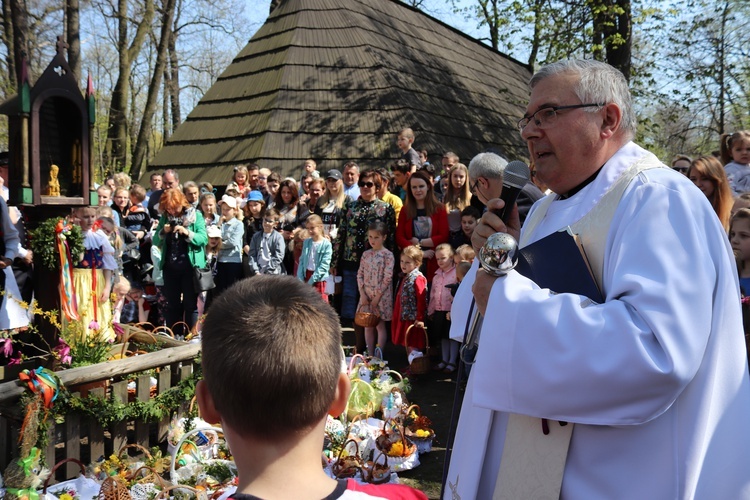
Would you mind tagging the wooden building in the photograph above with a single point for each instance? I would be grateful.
(335, 80)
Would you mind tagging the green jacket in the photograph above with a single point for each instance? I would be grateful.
(197, 237)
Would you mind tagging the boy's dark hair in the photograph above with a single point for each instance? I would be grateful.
(272, 212)
(271, 356)
(471, 212)
(402, 166)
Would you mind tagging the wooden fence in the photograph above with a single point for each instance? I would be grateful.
(84, 438)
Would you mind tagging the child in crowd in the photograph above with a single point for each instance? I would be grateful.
(92, 276)
(404, 141)
(246, 333)
(294, 248)
(439, 309)
(253, 209)
(464, 253)
(374, 279)
(469, 217)
(742, 201)
(315, 260)
(208, 209)
(213, 247)
(411, 300)
(739, 237)
(240, 181)
(229, 267)
(267, 247)
(735, 155)
(131, 307)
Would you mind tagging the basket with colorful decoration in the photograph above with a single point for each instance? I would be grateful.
(203, 461)
(394, 403)
(348, 463)
(418, 428)
(401, 452)
(82, 487)
(377, 470)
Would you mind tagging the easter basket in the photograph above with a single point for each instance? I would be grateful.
(401, 452)
(376, 472)
(202, 460)
(366, 319)
(80, 487)
(418, 428)
(418, 365)
(347, 465)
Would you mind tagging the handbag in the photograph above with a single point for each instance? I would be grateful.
(203, 279)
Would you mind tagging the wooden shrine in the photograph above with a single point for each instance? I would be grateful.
(50, 125)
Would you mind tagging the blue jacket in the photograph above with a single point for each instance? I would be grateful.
(276, 247)
(322, 260)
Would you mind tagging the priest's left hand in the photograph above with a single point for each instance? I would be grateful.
(482, 288)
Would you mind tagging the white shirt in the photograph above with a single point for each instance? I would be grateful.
(655, 379)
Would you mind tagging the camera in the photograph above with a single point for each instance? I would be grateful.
(174, 221)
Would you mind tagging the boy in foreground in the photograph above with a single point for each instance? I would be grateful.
(272, 372)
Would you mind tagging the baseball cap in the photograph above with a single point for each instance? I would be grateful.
(334, 174)
(213, 231)
(230, 201)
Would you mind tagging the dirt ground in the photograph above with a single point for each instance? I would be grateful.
(434, 393)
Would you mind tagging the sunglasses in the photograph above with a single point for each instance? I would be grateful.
(366, 184)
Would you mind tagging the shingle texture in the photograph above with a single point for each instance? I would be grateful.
(335, 80)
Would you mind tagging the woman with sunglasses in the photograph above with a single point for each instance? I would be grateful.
(351, 241)
(423, 221)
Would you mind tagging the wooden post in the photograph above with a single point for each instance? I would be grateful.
(120, 430)
(72, 443)
(164, 384)
(96, 431)
(143, 393)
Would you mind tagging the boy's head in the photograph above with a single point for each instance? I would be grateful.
(271, 359)
(405, 139)
(401, 172)
(469, 217)
(270, 220)
(137, 194)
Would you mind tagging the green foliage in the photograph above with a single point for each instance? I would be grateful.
(44, 242)
(108, 411)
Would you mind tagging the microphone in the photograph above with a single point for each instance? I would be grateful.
(515, 177)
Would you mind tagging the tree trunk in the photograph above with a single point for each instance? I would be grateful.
(7, 38)
(141, 147)
(612, 40)
(20, 27)
(174, 82)
(72, 17)
(117, 133)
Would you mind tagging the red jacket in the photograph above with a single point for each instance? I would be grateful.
(440, 234)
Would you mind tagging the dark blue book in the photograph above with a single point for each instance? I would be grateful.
(558, 262)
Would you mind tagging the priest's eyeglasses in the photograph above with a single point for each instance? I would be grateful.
(547, 116)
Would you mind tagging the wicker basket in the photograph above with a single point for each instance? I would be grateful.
(366, 319)
(421, 365)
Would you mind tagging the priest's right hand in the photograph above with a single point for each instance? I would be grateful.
(490, 224)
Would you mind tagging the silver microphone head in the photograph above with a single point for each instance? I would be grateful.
(499, 254)
(516, 174)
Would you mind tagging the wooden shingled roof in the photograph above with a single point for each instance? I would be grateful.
(335, 80)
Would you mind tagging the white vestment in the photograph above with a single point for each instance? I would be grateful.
(655, 379)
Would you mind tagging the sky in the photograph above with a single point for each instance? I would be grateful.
(257, 12)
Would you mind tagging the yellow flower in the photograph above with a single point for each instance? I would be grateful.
(422, 433)
(397, 449)
(65, 496)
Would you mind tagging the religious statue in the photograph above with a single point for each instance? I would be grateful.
(53, 188)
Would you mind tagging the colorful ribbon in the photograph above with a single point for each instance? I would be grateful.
(28, 462)
(41, 381)
(68, 302)
(25, 494)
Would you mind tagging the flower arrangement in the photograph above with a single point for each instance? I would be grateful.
(48, 235)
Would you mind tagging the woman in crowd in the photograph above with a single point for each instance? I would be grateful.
(181, 237)
(351, 241)
(707, 173)
(423, 221)
(331, 205)
(293, 212)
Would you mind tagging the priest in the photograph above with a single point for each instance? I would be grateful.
(645, 395)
